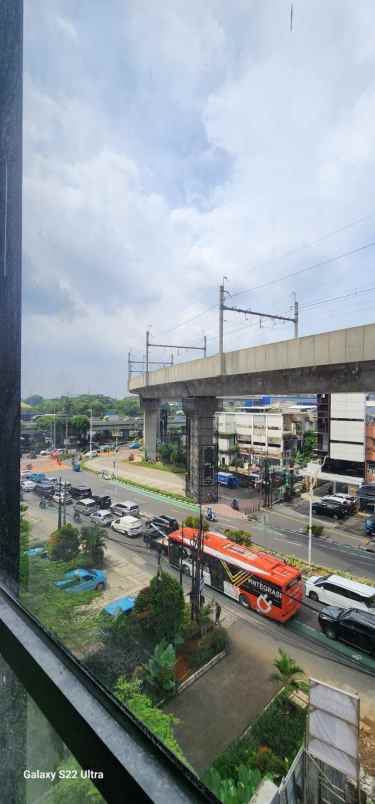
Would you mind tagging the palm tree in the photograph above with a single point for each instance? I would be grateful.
(287, 670)
(93, 543)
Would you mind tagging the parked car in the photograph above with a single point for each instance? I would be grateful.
(44, 490)
(166, 524)
(82, 580)
(103, 502)
(134, 445)
(370, 526)
(124, 508)
(90, 454)
(63, 498)
(333, 590)
(366, 497)
(128, 525)
(353, 626)
(340, 501)
(44, 452)
(39, 552)
(333, 510)
(37, 477)
(124, 605)
(87, 506)
(255, 480)
(104, 518)
(27, 485)
(26, 474)
(80, 492)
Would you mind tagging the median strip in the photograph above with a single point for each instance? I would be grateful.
(148, 491)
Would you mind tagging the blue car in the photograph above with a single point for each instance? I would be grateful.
(38, 477)
(134, 445)
(124, 605)
(36, 551)
(82, 580)
(370, 526)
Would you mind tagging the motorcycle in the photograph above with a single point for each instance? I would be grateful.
(235, 505)
(76, 516)
(42, 504)
(211, 516)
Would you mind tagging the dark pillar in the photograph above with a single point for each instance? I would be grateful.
(151, 408)
(201, 449)
(10, 283)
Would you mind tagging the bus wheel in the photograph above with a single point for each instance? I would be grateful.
(244, 602)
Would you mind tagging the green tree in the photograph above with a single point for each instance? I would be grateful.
(159, 672)
(93, 545)
(160, 723)
(80, 425)
(128, 407)
(239, 536)
(63, 543)
(165, 453)
(162, 605)
(35, 400)
(288, 673)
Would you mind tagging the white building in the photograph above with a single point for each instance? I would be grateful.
(269, 432)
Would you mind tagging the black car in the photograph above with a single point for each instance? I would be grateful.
(160, 526)
(354, 626)
(335, 511)
(80, 492)
(44, 489)
(103, 502)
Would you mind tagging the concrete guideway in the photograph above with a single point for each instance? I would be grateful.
(338, 361)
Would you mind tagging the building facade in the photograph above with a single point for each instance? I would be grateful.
(272, 433)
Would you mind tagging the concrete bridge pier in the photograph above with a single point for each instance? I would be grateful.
(151, 410)
(201, 449)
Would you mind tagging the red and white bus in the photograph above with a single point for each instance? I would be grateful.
(256, 580)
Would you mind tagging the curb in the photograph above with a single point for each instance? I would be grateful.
(335, 647)
(202, 670)
(163, 495)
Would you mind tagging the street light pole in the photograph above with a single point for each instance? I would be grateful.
(91, 430)
(310, 520)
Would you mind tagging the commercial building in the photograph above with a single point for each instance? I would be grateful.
(265, 432)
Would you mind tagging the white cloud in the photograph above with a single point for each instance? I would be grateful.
(203, 142)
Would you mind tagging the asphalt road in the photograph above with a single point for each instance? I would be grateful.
(271, 531)
(130, 565)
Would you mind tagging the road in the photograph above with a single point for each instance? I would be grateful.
(274, 531)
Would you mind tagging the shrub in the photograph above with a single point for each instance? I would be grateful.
(159, 672)
(63, 544)
(160, 723)
(230, 792)
(316, 530)
(194, 522)
(208, 647)
(239, 536)
(163, 605)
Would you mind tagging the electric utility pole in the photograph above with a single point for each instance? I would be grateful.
(91, 430)
(222, 306)
(150, 345)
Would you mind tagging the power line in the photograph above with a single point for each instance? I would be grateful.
(189, 320)
(349, 295)
(304, 270)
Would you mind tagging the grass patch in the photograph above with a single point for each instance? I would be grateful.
(162, 467)
(150, 489)
(315, 569)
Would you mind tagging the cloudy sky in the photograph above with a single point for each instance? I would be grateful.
(169, 144)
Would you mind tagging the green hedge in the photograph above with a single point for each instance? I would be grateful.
(270, 745)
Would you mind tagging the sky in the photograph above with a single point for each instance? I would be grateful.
(167, 145)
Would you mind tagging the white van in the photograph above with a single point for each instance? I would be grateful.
(86, 506)
(128, 525)
(332, 590)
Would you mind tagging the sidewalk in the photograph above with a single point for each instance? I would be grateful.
(218, 707)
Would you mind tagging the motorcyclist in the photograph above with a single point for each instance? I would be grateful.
(77, 516)
(235, 504)
(211, 516)
(42, 503)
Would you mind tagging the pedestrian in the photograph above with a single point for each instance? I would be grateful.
(217, 613)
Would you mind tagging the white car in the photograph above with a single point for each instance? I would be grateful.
(44, 452)
(104, 518)
(91, 454)
(60, 498)
(128, 525)
(333, 590)
(124, 508)
(27, 485)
